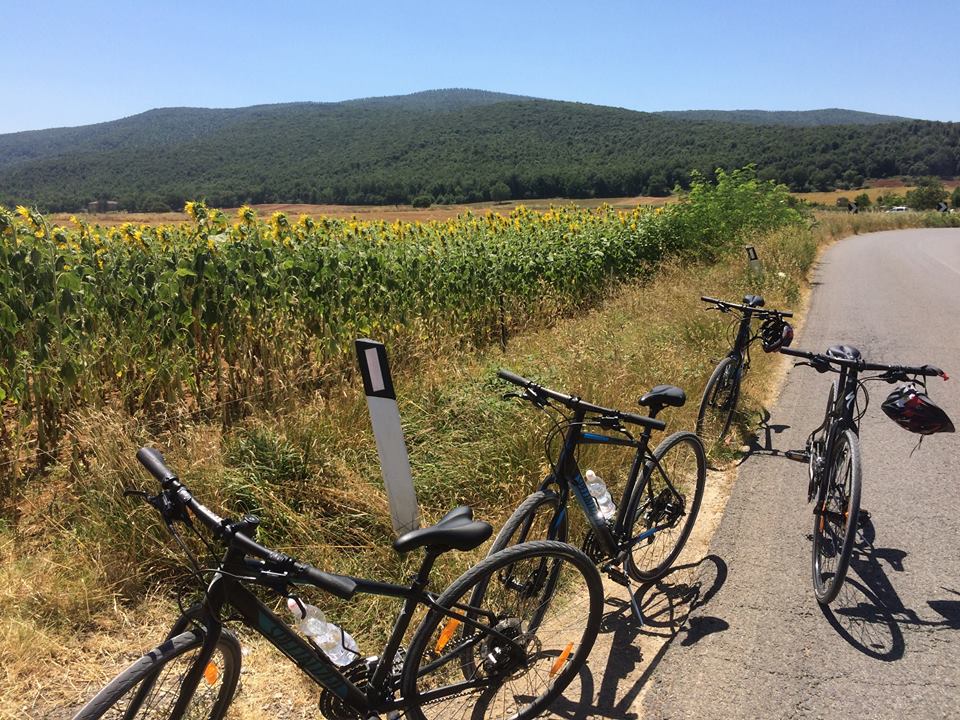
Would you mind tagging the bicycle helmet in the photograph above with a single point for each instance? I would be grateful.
(912, 409)
(775, 333)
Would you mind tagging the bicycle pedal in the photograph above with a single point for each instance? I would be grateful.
(618, 576)
(797, 455)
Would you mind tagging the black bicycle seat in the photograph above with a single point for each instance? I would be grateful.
(844, 352)
(662, 395)
(753, 300)
(457, 530)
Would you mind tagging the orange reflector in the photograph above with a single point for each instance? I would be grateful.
(448, 630)
(561, 660)
(211, 673)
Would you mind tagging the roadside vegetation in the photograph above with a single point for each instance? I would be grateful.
(86, 574)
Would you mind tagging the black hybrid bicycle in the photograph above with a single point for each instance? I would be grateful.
(504, 640)
(833, 450)
(659, 504)
(722, 391)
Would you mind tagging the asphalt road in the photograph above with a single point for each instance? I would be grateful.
(889, 645)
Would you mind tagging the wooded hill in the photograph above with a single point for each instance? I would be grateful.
(450, 146)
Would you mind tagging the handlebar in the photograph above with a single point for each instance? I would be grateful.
(578, 405)
(738, 306)
(231, 534)
(819, 359)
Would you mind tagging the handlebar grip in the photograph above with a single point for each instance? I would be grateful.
(339, 585)
(710, 299)
(513, 378)
(153, 461)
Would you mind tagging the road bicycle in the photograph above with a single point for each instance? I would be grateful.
(722, 391)
(833, 454)
(660, 500)
(504, 640)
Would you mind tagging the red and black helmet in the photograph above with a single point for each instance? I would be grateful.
(775, 333)
(912, 409)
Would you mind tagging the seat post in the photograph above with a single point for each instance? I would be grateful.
(422, 577)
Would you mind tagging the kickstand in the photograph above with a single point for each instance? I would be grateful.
(633, 603)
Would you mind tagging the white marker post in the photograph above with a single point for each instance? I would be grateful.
(385, 419)
(754, 260)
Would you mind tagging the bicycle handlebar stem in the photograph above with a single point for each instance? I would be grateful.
(738, 306)
(230, 533)
(578, 405)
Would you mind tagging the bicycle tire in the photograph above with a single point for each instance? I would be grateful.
(504, 680)
(161, 687)
(681, 461)
(536, 518)
(718, 403)
(841, 498)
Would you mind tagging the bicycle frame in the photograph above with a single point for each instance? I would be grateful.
(838, 417)
(613, 541)
(227, 589)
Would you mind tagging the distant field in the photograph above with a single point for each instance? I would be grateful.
(884, 187)
(445, 212)
(369, 212)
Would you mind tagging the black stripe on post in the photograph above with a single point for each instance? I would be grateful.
(372, 357)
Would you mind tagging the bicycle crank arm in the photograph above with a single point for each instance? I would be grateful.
(797, 455)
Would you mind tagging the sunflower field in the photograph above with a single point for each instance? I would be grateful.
(223, 313)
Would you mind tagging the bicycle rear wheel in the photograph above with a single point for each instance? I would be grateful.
(718, 404)
(150, 687)
(527, 646)
(835, 521)
(669, 499)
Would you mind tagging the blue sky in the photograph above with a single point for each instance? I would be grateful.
(70, 63)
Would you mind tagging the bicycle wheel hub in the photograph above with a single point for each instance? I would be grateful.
(503, 656)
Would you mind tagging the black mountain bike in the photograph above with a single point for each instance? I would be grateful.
(720, 396)
(660, 500)
(833, 456)
(501, 641)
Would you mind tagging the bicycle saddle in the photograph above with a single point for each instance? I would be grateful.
(457, 530)
(662, 395)
(844, 352)
(753, 300)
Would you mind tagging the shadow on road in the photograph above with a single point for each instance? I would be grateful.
(868, 613)
(665, 606)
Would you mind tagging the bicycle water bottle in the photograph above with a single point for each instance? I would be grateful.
(335, 643)
(598, 489)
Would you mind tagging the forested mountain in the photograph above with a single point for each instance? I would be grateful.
(453, 145)
(796, 118)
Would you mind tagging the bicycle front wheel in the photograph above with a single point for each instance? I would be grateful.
(150, 687)
(718, 404)
(538, 517)
(511, 649)
(835, 520)
(665, 506)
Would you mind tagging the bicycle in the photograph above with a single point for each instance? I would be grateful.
(832, 454)
(660, 500)
(489, 645)
(722, 391)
